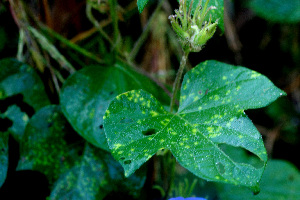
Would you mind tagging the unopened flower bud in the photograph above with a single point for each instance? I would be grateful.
(192, 31)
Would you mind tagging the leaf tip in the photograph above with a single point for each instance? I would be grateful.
(141, 5)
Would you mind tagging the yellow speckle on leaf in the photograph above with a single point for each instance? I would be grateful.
(25, 118)
(210, 129)
(120, 152)
(255, 74)
(153, 113)
(173, 133)
(224, 77)
(118, 145)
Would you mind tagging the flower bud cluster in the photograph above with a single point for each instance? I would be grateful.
(193, 31)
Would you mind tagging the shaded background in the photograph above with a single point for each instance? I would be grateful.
(250, 40)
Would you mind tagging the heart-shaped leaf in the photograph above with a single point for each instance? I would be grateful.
(87, 93)
(213, 98)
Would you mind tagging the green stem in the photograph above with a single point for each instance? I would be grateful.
(138, 44)
(178, 78)
(21, 44)
(90, 16)
(71, 45)
(172, 163)
(114, 16)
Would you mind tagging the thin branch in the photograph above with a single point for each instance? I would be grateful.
(138, 44)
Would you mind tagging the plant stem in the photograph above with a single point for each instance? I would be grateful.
(114, 16)
(145, 33)
(178, 79)
(90, 16)
(71, 44)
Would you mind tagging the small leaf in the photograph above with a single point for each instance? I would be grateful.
(141, 5)
(86, 95)
(19, 120)
(96, 175)
(213, 98)
(281, 180)
(3, 156)
(278, 11)
(43, 147)
(19, 78)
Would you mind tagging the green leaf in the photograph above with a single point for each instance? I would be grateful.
(19, 78)
(280, 181)
(19, 119)
(43, 147)
(96, 175)
(3, 156)
(141, 5)
(277, 10)
(213, 98)
(86, 95)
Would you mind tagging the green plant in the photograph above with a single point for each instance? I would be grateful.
(126, 118)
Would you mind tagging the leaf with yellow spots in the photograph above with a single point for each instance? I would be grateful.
(43, 147)
(87, 93)
(211, 114)
(96, 175)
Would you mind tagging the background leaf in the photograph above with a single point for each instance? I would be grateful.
(213, 98)
(86, 95)
(74, 172)
(19, 121)
(281, 180)
(43, 147)
(277, 10)
(95, 176)
(19, 78)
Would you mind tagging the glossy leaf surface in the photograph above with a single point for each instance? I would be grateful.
(281, 180)
(277, 10)
(86, 95)
(213, 98)
(19, 78)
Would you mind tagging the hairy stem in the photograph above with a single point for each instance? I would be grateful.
(178, 79)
